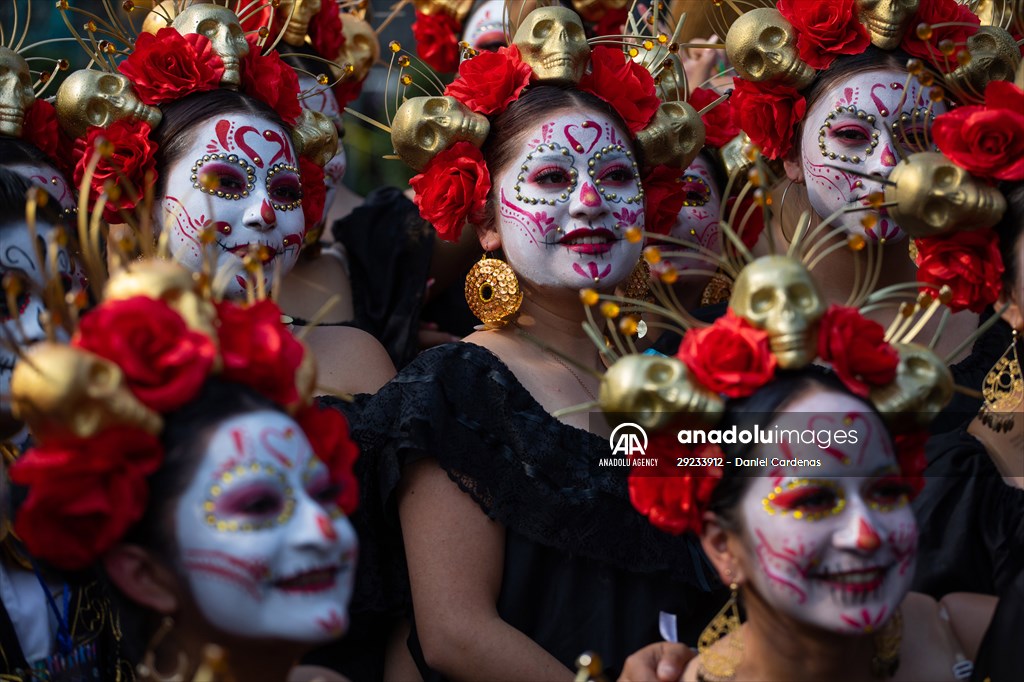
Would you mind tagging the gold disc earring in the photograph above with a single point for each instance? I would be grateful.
(493, 293)
(718, 664)
(1003, 390)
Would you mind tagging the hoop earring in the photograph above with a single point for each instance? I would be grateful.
(493, 293)
(887, 643)
(718, 666)
(147, 668)
(1003, 390)
(782, 213)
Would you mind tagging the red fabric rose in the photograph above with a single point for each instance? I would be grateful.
(129, 171)
(270, 80)
(490, 81)
(327, 431)
(325, 31)
(437, 41)
(452, 189)
(314, 193)
(84, 497)
(258, 350)
(986, 140)
(164, 362)
(168, 66)
(933, 12)
(825, 29)
(768, 113)
(856, 348)
(719, 123)
(663, 199)
(40, 128)
(612, 23)
(730, 357)
(347, 91)
(627, 86)
(674, 499)
(911, 458)
(969, 262)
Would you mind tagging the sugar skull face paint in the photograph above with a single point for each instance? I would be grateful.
(324, 101)
(832, 546)
(266, 551)
(566, 201)
(484, 28)
(698, 219)
(51, 180)
(240, 175)
(867, 124)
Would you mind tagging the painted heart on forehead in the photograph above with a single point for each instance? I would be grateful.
(588, 129)
(230, 142)
(283, 445)
(832, 424)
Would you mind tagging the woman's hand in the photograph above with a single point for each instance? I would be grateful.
(659, 662)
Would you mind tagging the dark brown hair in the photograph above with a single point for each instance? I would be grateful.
(1011, 231)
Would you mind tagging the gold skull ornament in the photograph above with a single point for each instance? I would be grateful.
(886, 20)
(168, 282)
(922, 388)
(67, 393)
(98, 98)
(778, 295)
(316, 137)
(301, 12)
(994, 57)
(425, 126)
(552, 41)
(16, 94)
(221, 26)
(361, 49)
(674, 136)
(456, 9)
(932, 196)
(761, 44)
(656, 392)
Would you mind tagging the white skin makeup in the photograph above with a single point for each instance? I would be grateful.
(484, 29)
(256, 196)
(324, 101)
(562, 221)
(831, 546)
(266, 551)
(698, 219)
(867, 124)
(51, 180)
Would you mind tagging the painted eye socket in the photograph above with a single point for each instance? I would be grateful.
(852, 134)
(554, 176)
(891, 491)
(806, 499)
(695, 190)
(21, 301)
(223, 176)
(913, 140)
(256, 501)
(617, 175)
(284, 186)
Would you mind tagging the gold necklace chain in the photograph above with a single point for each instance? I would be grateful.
(574, 374)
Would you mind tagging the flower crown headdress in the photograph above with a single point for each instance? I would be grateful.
(196, 47)
(778, 52)
(96, 406)
(442, 136)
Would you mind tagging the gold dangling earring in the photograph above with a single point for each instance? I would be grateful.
(887, 643)
(637, 286)
(1003, 390)
(493, 293)
(719, 664)
(147, 669)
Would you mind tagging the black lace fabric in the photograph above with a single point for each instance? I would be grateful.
(582, 570)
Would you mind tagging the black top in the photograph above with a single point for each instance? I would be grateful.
(971, 522)
(582, 570)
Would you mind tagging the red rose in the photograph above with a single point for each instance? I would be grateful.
(730, 357)
(437, 41)
(490, 81)
(164, 362)
(857, 350)
(986, 140)
(933, 12)
(627, 86)
(612, 23)
(40, 127)
(325, 31)
(84, 497)
(768, 113)
(663, 199)
(911, 458)
(452, 189)
(314, 193)
(259, 351)
(673, 499)
(327, 431)
(969, 262)
(270, 80)
(347, 91)
(825, 29)
(719, 124)
(129, 171)
(167, 66)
